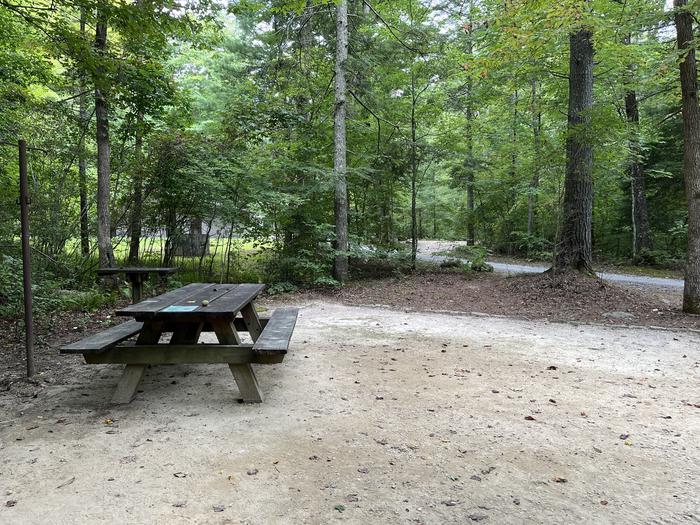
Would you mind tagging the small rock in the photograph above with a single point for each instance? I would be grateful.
(252, 471)
(450, 503)
(475, 477)
(478, 517)
(11, 503)
(180, 504)
(218, 508)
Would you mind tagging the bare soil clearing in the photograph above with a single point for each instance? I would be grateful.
(376, 416)
(570, 298)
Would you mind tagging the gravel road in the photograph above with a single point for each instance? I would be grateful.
(427, 250)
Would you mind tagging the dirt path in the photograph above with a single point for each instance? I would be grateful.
(377, 416)
(428, 250)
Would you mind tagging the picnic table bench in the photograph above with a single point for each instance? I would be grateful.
(136, 276)
(225, 309)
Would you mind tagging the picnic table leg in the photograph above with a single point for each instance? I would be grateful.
(136, 287)
(243, 374)
(133, 374)
(252, 321)
(129, 382)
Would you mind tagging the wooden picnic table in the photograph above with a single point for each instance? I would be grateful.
(225, 309)
(136, 275)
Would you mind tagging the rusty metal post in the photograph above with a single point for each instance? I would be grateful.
(26, 261)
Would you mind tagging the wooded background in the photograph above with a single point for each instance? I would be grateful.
(202, 133)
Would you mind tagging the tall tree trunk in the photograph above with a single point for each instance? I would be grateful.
(574, 246)
(471, 229)
(340, 264)
(691, 153)
(537, 158)
(641, 229)
(414, 175)
(104, 240)
(82, 157)
(137, 210)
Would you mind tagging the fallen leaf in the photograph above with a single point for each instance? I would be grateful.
(530, 418)
(66, 483)
(180, 475)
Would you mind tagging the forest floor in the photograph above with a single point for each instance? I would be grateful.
(379, 415)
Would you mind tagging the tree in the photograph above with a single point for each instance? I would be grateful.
(691, 152)
(82, 154)
(104, 236)
(340, 262)
(574, 245)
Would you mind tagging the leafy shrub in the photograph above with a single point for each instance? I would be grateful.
(533, 246)
(371, 262)
(282, 287)
(50, 292)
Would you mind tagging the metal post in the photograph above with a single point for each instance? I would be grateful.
(26, 262)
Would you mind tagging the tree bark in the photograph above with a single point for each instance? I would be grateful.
(641, 230)
(82, 157)
(414, 174)
(137, 210)
(574, 246)
(691, 153)
(537, 158)
(340, 264)
(471, 229)
(104, 240)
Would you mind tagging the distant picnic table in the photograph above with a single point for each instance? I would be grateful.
(225, 309)
(136, 275)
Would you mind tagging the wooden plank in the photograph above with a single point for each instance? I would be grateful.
(251, 321)
(232, 303)
(209, 294)
(174, 354)
(103, 340)
(149, 307)
(242, 373)
(135, 270)
(278, 331)
(225, 332)
(129, 382)
(247, 383)
(238, 323)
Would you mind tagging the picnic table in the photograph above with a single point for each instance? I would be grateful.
(136, 275)
(224, 309)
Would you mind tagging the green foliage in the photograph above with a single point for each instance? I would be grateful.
(233, 114)
(50, 292)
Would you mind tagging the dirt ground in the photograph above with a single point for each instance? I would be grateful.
(376, 416)
(569, 298)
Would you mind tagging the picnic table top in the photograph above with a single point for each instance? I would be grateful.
(134, 270)
(195, 301)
